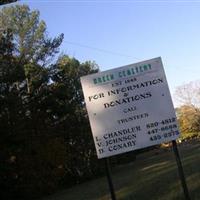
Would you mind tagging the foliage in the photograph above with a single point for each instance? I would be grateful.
(189, 121)
(45, 136)
(189, 112)
(30, 35)
(188, 94)
(7, 1)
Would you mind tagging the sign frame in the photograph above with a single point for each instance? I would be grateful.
(130, 108)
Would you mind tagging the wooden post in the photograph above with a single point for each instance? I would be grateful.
(109, 178)
(180, 170)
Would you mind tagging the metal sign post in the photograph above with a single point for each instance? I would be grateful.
(180, 170)
(109, 178)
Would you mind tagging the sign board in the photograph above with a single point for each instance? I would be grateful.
(129, 108)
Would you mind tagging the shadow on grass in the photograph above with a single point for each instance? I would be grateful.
(161, 181)
(153, 176)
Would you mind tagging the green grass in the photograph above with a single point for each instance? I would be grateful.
(152, 176)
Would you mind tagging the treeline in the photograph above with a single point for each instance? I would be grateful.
(45, 138)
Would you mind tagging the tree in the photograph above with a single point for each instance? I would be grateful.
(189, 120)
(24, 84)
(10, 73)
(33, 48)
(189, 94)
(30, 36)
(189, 112)
(71, 114)
(45, 134)
(11, 113)
(7, 1)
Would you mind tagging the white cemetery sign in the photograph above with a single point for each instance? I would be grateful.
(129, 108)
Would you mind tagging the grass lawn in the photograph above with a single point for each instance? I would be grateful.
(152, 176)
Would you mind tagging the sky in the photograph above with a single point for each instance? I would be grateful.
(116, 33)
